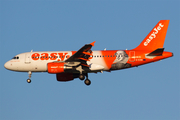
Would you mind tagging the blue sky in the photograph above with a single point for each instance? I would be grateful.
(148, 92)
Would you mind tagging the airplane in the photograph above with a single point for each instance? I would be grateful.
(68, 65)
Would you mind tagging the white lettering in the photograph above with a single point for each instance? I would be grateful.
(160, 24)
(153, 34)
(145, 43)
(159, 28)
(156, 30)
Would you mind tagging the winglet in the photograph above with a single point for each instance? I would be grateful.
(92, 43)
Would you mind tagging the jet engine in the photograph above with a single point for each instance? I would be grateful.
(66, 76)
(57, 67)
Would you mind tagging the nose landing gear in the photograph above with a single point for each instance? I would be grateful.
(29, 79)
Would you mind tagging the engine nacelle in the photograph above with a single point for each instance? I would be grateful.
(64, 76)
(56, 67)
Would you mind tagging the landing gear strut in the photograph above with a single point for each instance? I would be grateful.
(29, 79)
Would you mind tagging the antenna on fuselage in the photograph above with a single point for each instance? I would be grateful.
(31, 50)
(104, 49)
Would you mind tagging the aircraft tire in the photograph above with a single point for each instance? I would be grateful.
(81, 77)
(28, 80)
(87, 82)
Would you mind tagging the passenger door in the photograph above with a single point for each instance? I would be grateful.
(28, 58)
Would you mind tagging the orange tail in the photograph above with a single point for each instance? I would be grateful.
(155, 39)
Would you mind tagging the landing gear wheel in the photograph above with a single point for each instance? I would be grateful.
(87, 82)
(29, 80)
(81, 77)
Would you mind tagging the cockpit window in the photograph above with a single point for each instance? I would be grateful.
(16, 57)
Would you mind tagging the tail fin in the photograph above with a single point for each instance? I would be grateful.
(155, 39)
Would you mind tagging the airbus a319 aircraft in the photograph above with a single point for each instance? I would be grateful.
(68, 65)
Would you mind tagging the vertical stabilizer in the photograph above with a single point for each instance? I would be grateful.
(155, 39)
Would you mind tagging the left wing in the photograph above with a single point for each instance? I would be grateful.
(82, 55)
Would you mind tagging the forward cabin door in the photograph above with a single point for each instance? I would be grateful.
(132, 56)
(28, 58)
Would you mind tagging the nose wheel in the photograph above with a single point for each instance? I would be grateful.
(29, 79)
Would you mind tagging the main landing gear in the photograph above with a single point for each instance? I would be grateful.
(87, 82)
(29, 79)
(82, 77)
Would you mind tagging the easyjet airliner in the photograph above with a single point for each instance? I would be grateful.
(68, 65)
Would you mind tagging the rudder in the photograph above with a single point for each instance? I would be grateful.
(155, 39)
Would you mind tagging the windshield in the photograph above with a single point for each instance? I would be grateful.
(16, 57)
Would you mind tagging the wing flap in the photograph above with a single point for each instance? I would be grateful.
(82, 54)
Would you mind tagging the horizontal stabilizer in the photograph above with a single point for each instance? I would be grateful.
(157, 52)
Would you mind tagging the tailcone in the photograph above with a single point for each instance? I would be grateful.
(167, 54)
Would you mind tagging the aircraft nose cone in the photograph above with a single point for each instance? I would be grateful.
(7, 65)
